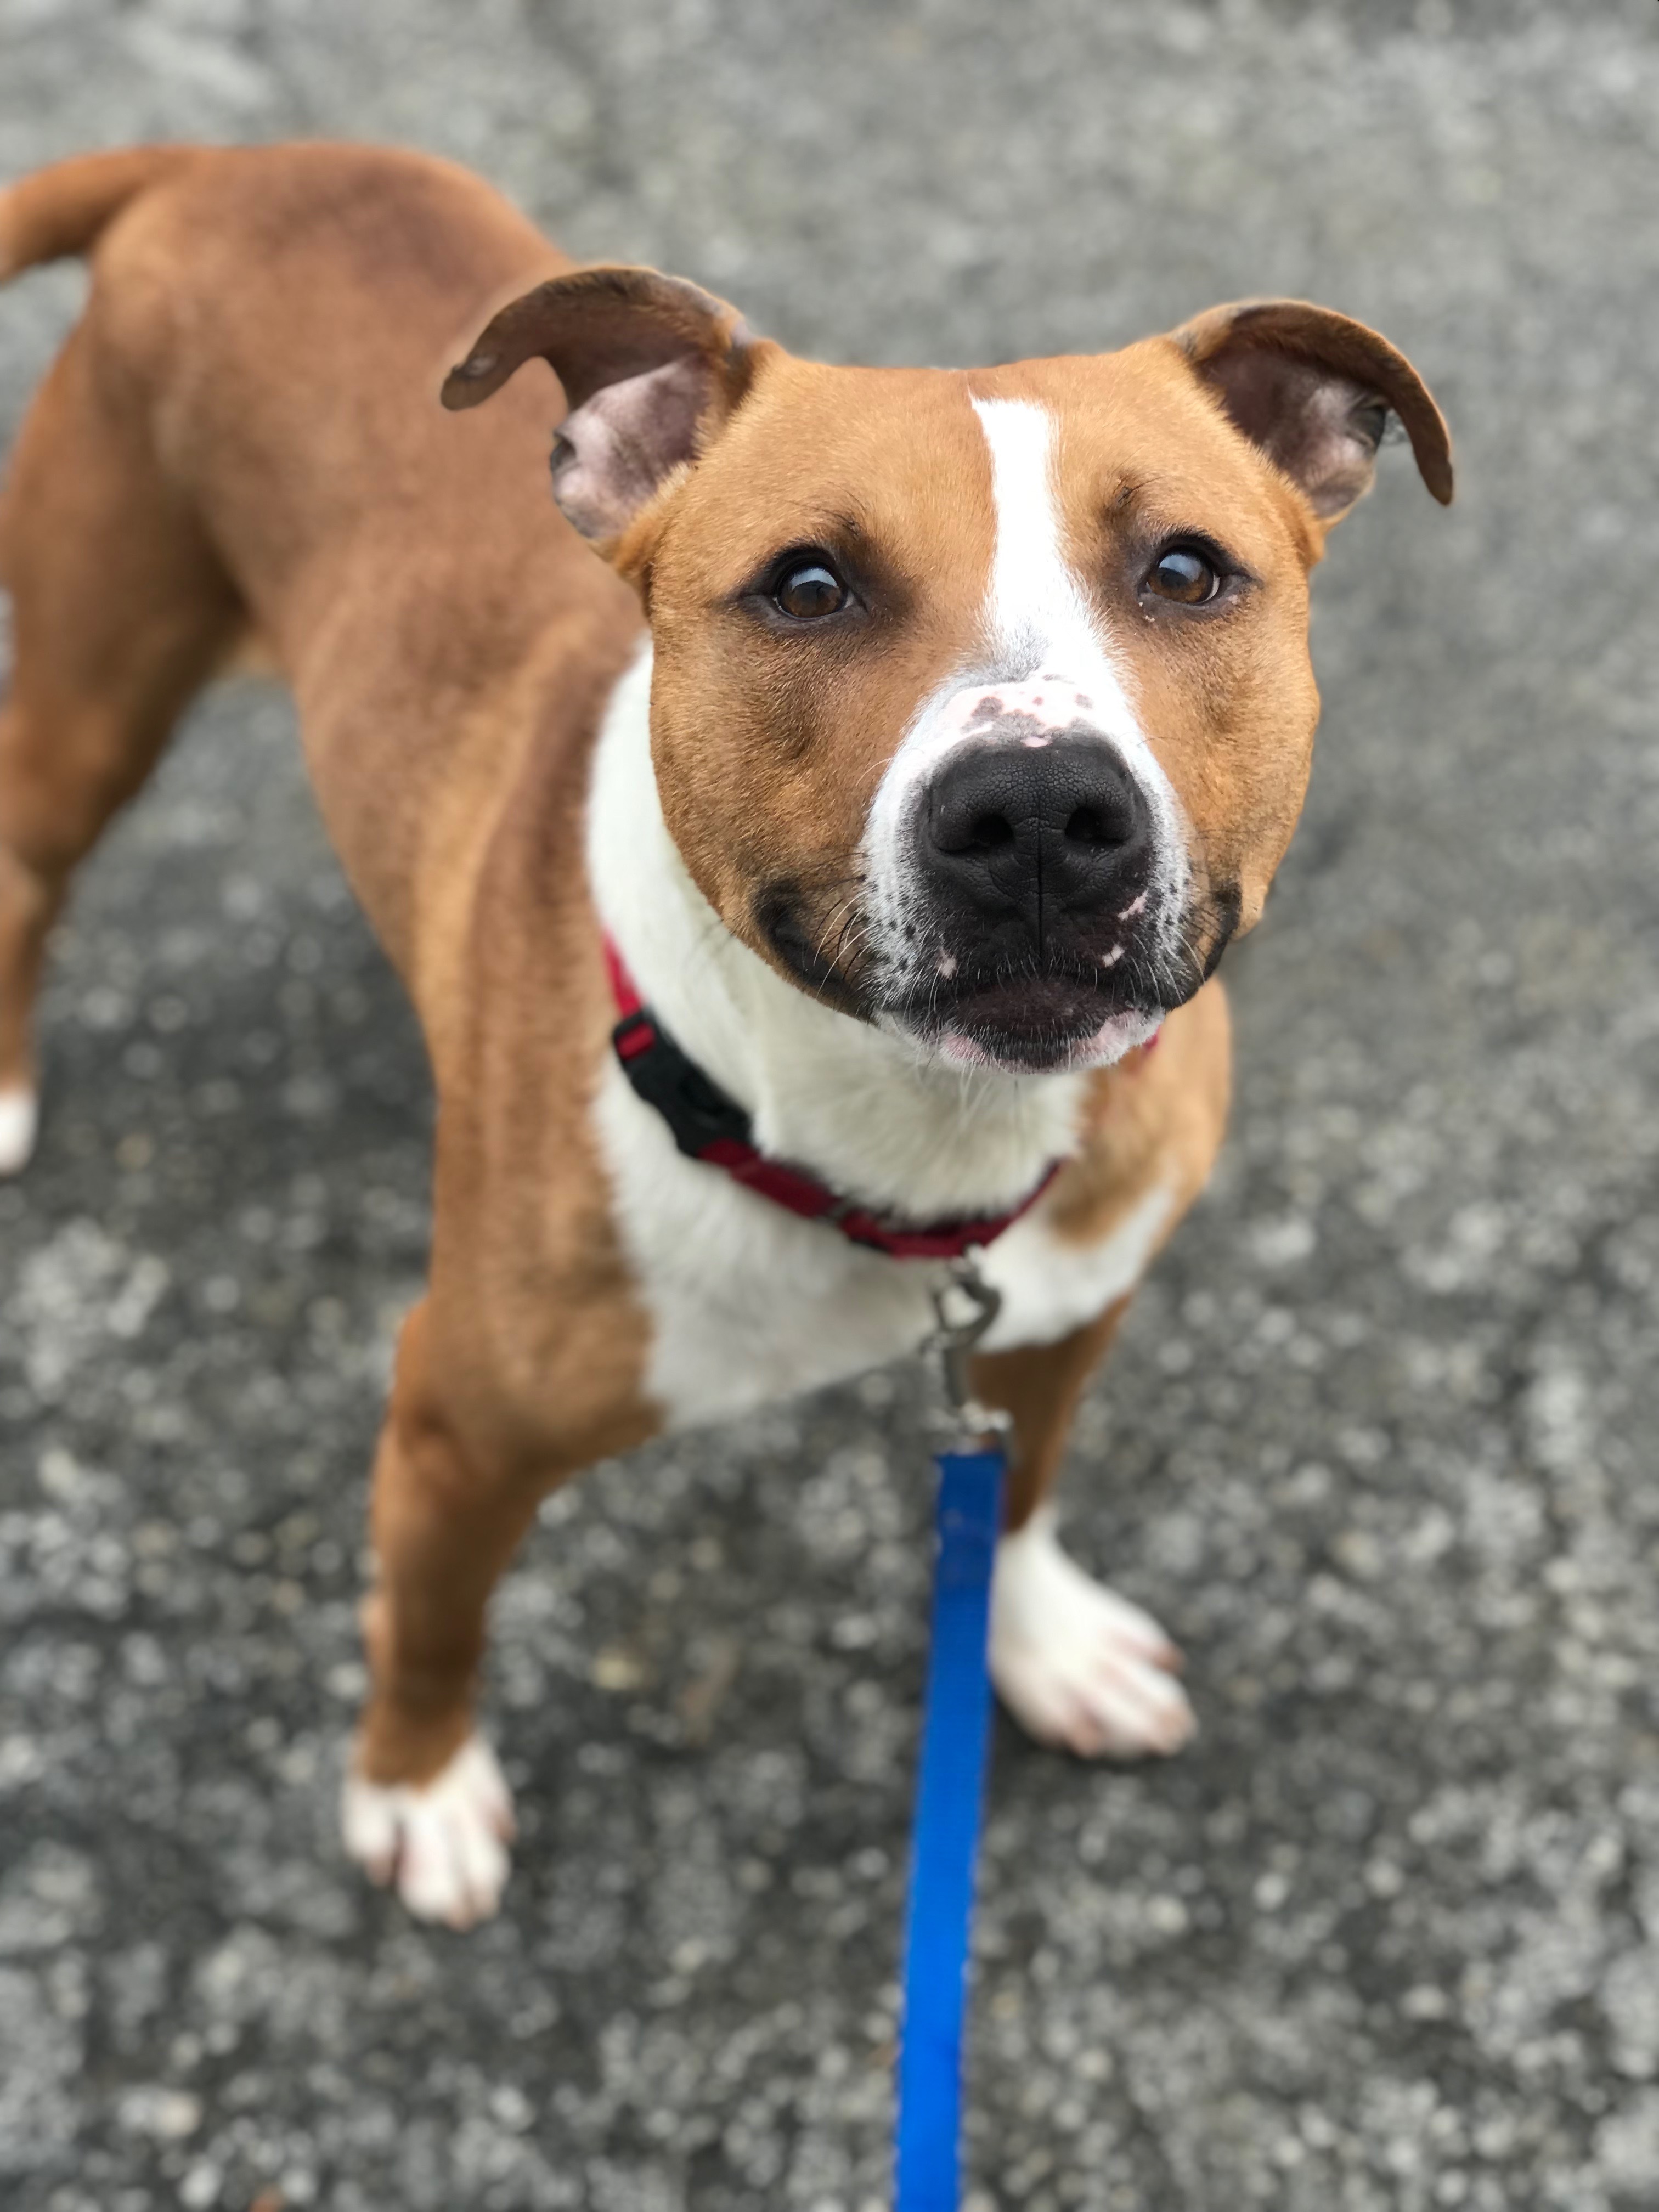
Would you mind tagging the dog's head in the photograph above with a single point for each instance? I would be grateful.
(981, 705)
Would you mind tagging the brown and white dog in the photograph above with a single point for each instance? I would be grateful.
(918, 738)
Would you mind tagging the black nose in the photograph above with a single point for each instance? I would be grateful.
(1038, 831)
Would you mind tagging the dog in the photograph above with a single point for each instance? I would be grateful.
(808, 841)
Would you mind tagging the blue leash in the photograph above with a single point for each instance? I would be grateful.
(949, 1793)
(951, 1784)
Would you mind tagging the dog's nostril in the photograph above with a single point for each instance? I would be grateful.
(988, 832)
(1086, 827)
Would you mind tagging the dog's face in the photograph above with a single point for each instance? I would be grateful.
(981, 705)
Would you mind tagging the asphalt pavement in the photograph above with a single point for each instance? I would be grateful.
(1378, 1444)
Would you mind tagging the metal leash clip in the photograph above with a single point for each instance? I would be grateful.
(965, 1308)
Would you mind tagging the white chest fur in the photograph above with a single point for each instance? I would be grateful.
(749, 1304)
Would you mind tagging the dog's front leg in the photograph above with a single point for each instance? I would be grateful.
(425, 1804)
(1075, 1664)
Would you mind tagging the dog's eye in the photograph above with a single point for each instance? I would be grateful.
(1185, 574)
(809, 589)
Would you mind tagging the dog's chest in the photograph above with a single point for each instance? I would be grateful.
(749, 1304)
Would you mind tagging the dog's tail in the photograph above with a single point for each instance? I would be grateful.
(61, 210)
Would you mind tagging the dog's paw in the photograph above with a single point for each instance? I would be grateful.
(444, 1845)
(1077, 1666)
(20, 1122)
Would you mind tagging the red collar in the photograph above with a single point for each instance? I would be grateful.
(709, 1126)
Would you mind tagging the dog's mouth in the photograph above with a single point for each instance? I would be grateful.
(1028, 1021)
(1072, 1009)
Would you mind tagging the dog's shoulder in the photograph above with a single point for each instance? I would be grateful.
(1156, 1122)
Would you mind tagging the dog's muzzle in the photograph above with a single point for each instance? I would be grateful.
(1032, 859)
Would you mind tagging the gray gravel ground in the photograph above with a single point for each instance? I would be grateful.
(1378, 1442)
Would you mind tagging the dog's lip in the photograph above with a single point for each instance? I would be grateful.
(1034, 1002)
(1058, 1002)
(1116, 1037)
(1111, 1042)
(1032, 1024)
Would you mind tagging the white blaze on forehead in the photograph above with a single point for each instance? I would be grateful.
(1036, 615)
(1031, 588)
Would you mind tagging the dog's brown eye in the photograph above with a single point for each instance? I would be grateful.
(809, 590)
(1185, 575)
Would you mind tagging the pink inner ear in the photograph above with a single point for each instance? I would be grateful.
(1304, 418)
(617, 447)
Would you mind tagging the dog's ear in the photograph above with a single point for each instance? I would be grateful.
(1314, 390)
(650, 368)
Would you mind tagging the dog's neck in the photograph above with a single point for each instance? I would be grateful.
(862, 1109)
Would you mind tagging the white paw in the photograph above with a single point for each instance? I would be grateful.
(1076, 1665)
(20, 1118)
(444, 1845)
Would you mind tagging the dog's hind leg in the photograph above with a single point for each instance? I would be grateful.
(120, 611)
